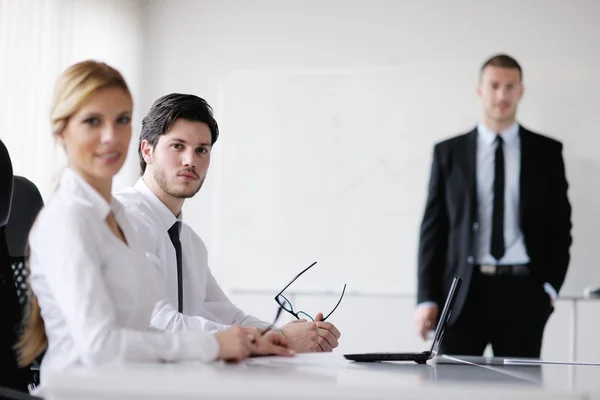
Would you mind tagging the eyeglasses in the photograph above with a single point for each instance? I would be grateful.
(286, 305)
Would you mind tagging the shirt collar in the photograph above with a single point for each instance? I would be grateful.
(509, 135)
(167, 218)
(75, 183)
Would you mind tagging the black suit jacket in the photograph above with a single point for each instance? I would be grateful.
(447, 237)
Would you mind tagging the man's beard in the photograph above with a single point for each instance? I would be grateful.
(159, 177)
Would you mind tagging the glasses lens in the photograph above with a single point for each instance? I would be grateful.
(284, 303)
(302, 314)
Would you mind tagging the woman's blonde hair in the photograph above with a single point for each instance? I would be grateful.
(75, 86)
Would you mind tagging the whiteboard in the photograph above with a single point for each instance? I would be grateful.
(332, 166)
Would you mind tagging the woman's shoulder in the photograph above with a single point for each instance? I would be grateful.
(63, 215)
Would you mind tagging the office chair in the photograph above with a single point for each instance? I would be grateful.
(12, 376)
(26, 204)
(6, 393)
(6, 179)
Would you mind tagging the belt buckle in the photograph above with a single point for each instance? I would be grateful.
(488, 269)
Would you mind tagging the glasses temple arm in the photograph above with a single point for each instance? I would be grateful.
(338, 303)
(296, 277)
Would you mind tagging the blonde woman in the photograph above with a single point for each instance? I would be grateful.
(93, 296)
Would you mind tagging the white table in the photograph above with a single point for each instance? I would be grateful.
(322, 376)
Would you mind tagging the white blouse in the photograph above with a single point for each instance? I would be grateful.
(98, 298)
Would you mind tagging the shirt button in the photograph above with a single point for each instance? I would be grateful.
(475, 226)
(470, 259)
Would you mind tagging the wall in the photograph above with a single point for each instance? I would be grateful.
(196, 46)
(205, 47)
(38, 40)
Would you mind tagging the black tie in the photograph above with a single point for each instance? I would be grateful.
(174, 235)
(497, 248)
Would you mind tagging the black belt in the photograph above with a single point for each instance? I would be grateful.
(516, 270)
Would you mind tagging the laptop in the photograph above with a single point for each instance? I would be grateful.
(423, 357)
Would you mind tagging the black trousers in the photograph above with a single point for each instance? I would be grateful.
(509, 312)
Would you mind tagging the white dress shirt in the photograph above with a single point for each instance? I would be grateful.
(202, 295)
(516, 252)
(100, 301)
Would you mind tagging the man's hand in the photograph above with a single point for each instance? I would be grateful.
(237, 343)
(303, 335)
(425, 317)
(273, 343)
(328, 334)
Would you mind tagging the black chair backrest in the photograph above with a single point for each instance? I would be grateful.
(26, 204)
(10, 311)
(6, 184)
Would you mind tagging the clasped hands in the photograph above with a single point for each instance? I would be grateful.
(300, 336)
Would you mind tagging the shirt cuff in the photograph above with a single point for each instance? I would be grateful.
(427, 304)
(278, 331)
(551, 291)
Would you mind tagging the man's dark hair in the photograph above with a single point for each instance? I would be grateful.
(168, 109)
(503, 61)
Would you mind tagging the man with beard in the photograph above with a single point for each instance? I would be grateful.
(174, 152)
(497, 215)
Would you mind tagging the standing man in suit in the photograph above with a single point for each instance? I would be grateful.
(497, 214)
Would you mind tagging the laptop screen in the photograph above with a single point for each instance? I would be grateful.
(446, 312)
